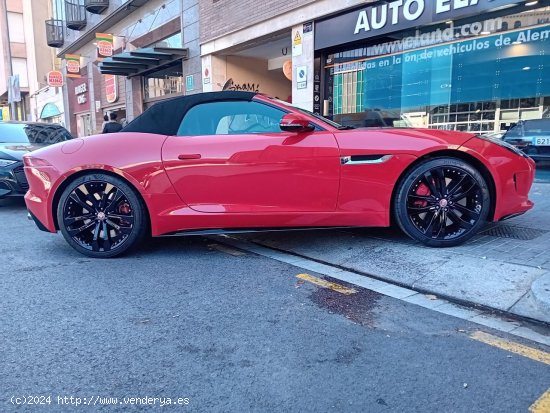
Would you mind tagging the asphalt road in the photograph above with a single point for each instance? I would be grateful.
(226, 331)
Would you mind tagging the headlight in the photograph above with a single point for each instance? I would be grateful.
(5, 162)
(506, 145)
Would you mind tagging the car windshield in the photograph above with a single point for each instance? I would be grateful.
(536, 127)
(307, 112)
(32, 133)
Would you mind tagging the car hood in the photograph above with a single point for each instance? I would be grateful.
(15, 151)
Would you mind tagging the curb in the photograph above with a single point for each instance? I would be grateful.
(541, 292)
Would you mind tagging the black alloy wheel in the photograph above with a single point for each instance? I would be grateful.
(442, 202)
(101, 216)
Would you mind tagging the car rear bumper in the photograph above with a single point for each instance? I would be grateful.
(39, 224)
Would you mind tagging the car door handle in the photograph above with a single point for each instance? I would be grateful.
(185, 156)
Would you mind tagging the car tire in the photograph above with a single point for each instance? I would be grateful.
(442, 202)
(101, 216)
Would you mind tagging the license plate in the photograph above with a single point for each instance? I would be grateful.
(541, 141)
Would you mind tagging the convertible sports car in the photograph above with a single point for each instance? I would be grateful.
(239, 161)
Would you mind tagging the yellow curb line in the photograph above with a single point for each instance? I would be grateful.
(533, 354)
(227, 250)
(542, 405)
(327, 284)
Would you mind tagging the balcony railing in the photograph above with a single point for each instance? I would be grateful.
(96, 6)
(75, 13)
(55, 35)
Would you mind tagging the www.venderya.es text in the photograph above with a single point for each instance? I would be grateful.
(46, 400)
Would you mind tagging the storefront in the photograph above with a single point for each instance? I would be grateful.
(456, 65)
(261, 65)
(153, 66)
(79, 100)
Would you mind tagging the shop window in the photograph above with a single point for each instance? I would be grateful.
(464, 78)
(231, 118)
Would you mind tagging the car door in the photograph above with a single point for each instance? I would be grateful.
(232, 156)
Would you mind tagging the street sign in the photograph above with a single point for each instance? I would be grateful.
(189, 83)
(55, 78)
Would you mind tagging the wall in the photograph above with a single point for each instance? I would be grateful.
(190, 29)
(41, 56)
(254, 76)
(219, 17)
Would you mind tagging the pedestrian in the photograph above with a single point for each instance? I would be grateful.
(105, 120)
(112, 126)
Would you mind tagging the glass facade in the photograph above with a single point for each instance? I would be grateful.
(479, 76)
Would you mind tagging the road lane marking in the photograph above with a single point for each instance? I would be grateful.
(227, 250)
(542, 405)
(525, 351)
(326, 284)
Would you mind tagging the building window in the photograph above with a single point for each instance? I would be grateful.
(164, 82)
(173, 41)
(16, 28)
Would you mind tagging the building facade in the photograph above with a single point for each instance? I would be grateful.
(153, 45)
(465, 65)
(24, 53)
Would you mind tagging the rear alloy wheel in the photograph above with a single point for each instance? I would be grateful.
(442, 202)
(101, 216)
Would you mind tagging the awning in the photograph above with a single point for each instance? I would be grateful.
(141, 61)
(49, 111)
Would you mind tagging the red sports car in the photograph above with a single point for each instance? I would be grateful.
(239, 161)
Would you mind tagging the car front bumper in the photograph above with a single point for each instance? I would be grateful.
(13, 181)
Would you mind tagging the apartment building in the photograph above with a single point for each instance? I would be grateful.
(155, 56)
(23, 52)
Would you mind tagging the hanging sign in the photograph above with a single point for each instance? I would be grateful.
(104, 43)
(55, 78)
(111, 88)
(297, 44)
(73, 65)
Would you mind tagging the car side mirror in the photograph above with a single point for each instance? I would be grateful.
(292, 122)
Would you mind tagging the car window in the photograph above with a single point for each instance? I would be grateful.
(537, 127)
(515, 131)
(32, 133)
(231, 118)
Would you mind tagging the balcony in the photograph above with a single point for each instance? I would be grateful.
(54, 33)
(96, 6)
(75, 13)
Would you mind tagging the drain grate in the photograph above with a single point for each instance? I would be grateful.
(513, 232)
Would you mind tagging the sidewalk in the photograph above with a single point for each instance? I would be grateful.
(506, 267)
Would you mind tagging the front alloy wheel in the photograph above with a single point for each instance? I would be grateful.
(442, 202)
(101, 216)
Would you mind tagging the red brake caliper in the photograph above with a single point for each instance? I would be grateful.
(422, 190)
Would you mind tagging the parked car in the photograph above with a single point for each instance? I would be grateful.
(532, 137)
(240, 161)
(375, 118)
(17, 139)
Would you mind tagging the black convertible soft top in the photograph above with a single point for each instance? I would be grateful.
(164, 118)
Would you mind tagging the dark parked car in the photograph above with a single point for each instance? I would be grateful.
(17, 139)
(532, 137)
